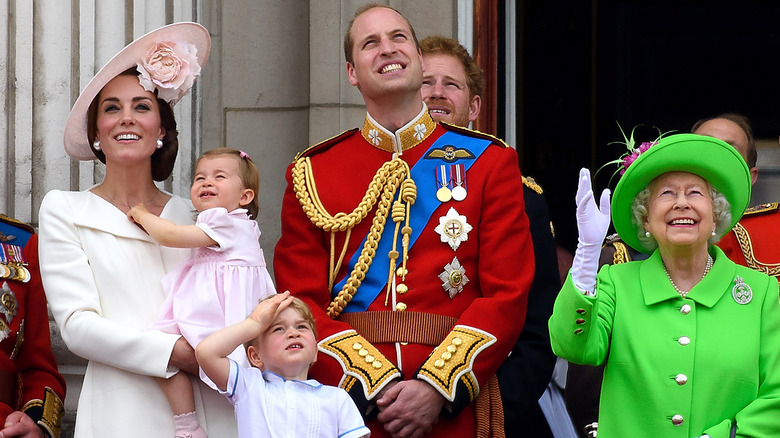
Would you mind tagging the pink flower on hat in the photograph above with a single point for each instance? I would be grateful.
(171, 68)
(632, 153)
(628, 159)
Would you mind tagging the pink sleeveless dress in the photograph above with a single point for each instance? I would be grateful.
(219, 285)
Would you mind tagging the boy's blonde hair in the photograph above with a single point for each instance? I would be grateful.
(247, 170)
(303, 310)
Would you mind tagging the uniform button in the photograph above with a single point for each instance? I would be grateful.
(363, 352)
(402, 289)
(677, 420)
(681, 379)
(685, 309)
(357, 346)
(446, 355)
(456, 341)
(439, 363)
(376, 364)
(401, 271)
(369, 358)
(684, 340)
(400, 307)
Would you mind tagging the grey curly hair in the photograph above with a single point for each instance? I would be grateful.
(721, 210)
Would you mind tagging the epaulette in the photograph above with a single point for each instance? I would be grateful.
(532, 184)
(16, 223)
(612, 238)
(14, 232)
(325, 144)
(762, 208)
(473, 133)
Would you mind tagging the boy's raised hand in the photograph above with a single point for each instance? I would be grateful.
(266, 311)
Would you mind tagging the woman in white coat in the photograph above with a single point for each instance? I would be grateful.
(101, 272)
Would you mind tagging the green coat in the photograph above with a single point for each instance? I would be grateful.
(703, 361)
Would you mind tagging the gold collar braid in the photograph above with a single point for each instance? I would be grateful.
(392, 175)
(405, 138)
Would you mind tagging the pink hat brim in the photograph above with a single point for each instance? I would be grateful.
(75, 138)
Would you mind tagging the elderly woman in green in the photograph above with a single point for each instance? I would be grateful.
(691, 341)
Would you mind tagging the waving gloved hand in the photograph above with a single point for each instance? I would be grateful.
(592, 226)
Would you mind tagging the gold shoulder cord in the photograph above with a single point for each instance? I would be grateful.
(386, 181)
(621, 253)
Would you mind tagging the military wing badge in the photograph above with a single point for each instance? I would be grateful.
(449, 153)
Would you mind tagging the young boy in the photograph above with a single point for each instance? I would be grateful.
(274, 395)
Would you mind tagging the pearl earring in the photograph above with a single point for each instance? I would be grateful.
(647, 233)
(713, 232)
(96, 145)
(159, 143)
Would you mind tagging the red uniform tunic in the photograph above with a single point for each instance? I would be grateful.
(424, 327)
(753, 242)
(29, 380)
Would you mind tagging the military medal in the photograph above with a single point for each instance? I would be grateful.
(741, 292)
(13, 263)
(8, 303)
(8, 306)
(453, 228)
(443, 194)
(458, 172)
(453, 278)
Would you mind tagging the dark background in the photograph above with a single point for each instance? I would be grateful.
(585, 65)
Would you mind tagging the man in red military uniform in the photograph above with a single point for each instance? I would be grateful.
(31, 388)
(751, 242)
(404, 237)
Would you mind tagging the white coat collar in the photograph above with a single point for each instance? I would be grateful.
(99, 214)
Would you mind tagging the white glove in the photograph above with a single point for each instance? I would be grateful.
(592, 226)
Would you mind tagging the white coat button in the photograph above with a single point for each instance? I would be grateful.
(677, 420)
(684, 340)
(681, 379)
(685, 309)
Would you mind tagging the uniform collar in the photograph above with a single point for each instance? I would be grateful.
(656, 287)
(409, 136)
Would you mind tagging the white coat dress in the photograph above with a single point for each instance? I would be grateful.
(101, 274)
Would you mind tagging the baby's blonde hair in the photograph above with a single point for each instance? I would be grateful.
(247, 170)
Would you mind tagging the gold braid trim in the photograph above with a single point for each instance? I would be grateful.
(47, 413)
(382, 188)
(746, 245)
(453, 360)
(360, 361)
(621, 253)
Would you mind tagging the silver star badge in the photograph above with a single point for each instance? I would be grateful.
(453, 278)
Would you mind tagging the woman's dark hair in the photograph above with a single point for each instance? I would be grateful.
(163, 158)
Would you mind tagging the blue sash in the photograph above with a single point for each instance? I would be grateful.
(424, 175)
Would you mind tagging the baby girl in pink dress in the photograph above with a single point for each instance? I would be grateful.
(225, 277)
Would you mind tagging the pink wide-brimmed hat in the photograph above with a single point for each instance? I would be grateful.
(168, 59)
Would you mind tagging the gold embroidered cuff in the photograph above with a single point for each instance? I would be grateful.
(452, 361)
(360, 360)
(47, 413)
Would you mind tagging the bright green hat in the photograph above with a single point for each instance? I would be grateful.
(714, 160)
